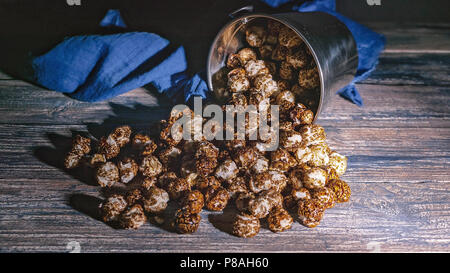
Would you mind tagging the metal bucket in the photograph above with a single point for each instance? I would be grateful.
(329, 41)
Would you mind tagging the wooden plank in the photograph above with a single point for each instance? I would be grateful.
(412, 107)
(375, 154)
(393, 216)
(414, 37)
(391, 107)
(4, 76)
(49, 107)
(412, 69)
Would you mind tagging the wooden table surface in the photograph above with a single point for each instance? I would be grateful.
(398, 147)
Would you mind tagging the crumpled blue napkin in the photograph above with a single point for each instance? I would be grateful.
(98, 67)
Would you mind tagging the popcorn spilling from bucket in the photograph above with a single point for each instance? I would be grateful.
(297, 181)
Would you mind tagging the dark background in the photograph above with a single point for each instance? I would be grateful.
(34, 26)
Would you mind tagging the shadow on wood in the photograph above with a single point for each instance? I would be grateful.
(88, 205)
(54, 156)
(224, 220)
(123, 115)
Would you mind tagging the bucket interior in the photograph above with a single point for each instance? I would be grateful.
(233, 37)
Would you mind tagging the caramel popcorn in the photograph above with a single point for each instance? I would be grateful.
(288, 38)
(245, 55)
(155, 200)
(166, 134)
(265, 51)
(265, 85)
(107, 174)
(205, 182)
(290, 139)
(238, 99)
(326, 196)
(177, 187)
(312, 134)
(169, 156)
(206, 149)
(193, 201)
(338, 162)
(299, 59)
(216, 199)
(331, 173)
(134, 197)
(133, 217)
(186, 222)
(283, 85)
(300, 115)
(148, 182)
(72, 160)
(109, 147)
(261, 182)
(112, 207)
(261, 165)
(239, 84)
(246, 156)
(166, 178)
(96, 159)
(279, 53)
(279, 220)
(340, 189)
(296, 178)
(81, 145)
(150, 166)
(319, 155)
(255, 68)
(205, 165)
(310, 212)
(308, 78)
(255, 36)
(284, 97)
(236, 186)
(260, 206)
(301, 193)
(315, 178)
(258, 99)
(227, 170)
(128, 169)
(122, 135)
(233, 61)
(275, 197)
(246, 226)
(286, 71)
(281, 160)
(279, 180)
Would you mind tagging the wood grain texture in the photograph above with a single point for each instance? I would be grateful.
(398, 146)
(397, 216)
(414, 38)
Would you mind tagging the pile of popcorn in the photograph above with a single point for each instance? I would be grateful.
(301, 177)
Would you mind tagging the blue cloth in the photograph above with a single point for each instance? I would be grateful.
(98, 67)
(113, 18)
